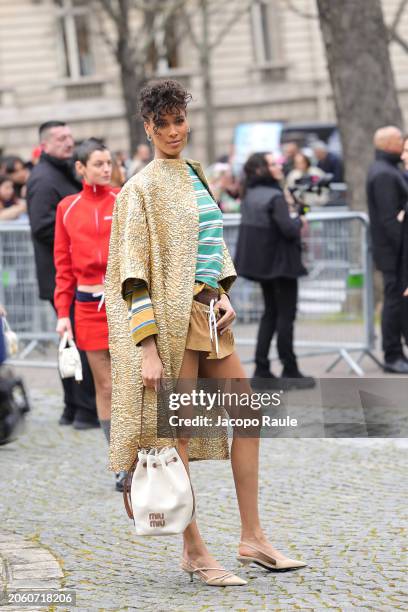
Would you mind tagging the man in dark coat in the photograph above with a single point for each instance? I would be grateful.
(328, 162)
(387, 195)
(50, 181)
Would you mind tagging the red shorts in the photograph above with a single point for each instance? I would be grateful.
(91, 326)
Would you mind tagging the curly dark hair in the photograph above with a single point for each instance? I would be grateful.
(160, 97)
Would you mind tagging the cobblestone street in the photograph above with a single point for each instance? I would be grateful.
(338, 504)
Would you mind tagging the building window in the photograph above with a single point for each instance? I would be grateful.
(265, 31)
(75, 37)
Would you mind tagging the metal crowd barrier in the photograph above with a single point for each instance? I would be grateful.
(336, 298)
(335, 306)
(31, 318)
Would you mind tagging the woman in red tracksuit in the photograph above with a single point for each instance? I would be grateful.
(82, 233)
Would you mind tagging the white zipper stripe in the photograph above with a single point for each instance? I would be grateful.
(69, 208)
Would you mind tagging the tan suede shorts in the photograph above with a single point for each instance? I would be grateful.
(198, 335)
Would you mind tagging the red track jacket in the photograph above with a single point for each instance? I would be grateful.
(81, 245)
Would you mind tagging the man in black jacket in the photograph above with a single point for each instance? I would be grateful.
(51, 180)
(328, 162)
(387, 195)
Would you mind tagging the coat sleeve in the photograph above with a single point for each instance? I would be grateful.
(289, 227)
(386, 192)
(42, 201)
(64, 278)
(228, 273)
(129, 246)
(142, 322)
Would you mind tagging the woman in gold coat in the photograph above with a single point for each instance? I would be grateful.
(156, 243)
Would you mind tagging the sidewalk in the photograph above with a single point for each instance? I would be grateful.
(24, 564)
(338, 504)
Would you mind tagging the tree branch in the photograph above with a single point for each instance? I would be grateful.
(189, 28)
(170, 7)
(399, 40)
(397, 18)
(108, 8)
(290, 5)
(100, 30)
(234, 18)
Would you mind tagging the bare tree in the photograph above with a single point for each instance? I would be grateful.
(355, 38)
(392, 30)
(137, 26)
(206, 37)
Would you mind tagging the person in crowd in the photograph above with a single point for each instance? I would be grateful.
(167, 277)
(304, 173)
(3, 351)
(404, 158)
(120, 162)
(11, 389)
(118, 174)
(51, 180)
(11, 207)
(328, 162)
(387, 195)
(269, 252)
(141, 158)
(403, 218)
(18, 171)
(82, 232)
(289, 149)
(224, 187)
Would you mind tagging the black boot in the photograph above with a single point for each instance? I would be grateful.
(264, 379)
(85, 420)
(67, 416)
(294, 379)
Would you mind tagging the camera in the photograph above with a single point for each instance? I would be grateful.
(308, 184)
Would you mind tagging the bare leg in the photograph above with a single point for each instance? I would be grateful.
(244, 459)
(99, 362)
(194, 548)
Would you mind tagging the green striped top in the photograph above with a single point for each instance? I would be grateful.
(210, 234)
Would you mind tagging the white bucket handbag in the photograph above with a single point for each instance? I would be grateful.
(10, 337)
(158, 494)
(69, 359)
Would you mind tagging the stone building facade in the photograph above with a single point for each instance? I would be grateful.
(270, 65)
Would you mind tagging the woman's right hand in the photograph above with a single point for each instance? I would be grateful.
(152, 367)
(64, 325)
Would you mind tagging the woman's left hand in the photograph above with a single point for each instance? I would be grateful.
(229, 313)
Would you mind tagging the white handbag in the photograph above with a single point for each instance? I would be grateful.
(10, 338)
(69, 359)
(158, 493)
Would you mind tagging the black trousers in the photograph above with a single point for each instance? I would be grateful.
(392, 324)
(79, 398)
(280, 298)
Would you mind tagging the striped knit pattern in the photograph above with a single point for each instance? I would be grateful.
(208, 266)
(140, 311)
(210, 235)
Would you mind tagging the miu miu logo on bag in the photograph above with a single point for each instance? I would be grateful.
(157, 519)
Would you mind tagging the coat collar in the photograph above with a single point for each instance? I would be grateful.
(196, 165)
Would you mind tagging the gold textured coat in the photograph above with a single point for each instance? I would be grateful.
(154, 238)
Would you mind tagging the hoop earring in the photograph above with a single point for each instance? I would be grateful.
(149, 138)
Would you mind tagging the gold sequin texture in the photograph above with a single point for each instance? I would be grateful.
(154, 238)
